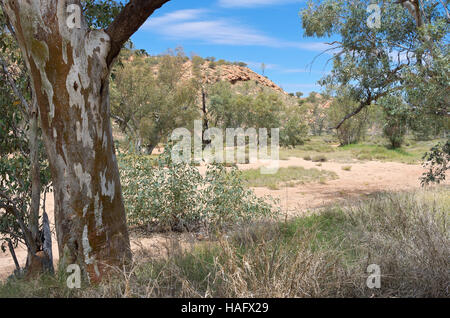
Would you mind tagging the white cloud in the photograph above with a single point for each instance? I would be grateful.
(253, 3)
(217, 32)
(193, 25)
(174, 17)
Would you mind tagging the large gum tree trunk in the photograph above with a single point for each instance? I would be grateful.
(69, 72)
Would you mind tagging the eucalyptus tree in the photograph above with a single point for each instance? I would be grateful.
(69, 63)
(149, 106)
(406, 52)
(24, 175)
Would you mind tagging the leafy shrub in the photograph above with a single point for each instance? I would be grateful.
(353, 129)
(395, 119)
(241, 64)
(197, 61)
(364, 156)
(293, 132)
(319, 158)
(212, 65)
(437, 161)
(177, 197)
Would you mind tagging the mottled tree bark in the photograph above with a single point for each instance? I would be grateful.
(69, 69)
(34, 242)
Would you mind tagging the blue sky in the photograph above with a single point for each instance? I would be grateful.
(251, 31)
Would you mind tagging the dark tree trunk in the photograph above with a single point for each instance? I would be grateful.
(205, 142)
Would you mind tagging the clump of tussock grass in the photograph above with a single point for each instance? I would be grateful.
(289, 176)
(324, 254)
(407, 235)
(319, 158)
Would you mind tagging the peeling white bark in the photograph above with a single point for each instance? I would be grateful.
(84, 179)
(107, 186)
(69, 76)
(87, 247)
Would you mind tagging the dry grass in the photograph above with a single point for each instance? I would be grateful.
(376, 149)
(408, 236)
(290, 176)
(325, 254)
(319, 158)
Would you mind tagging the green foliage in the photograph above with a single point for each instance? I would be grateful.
(223, 107)
(177, 197)
(396, 114)
(197, 62)
(148, 106)
(437, 161)
(265, 111)
(404, 54)
(427, 126)
(212, 65)
(373, 149)
(15, 163)
(229, 109)
(100, 13)
(352, 130)
(314, 109)
(294, 130)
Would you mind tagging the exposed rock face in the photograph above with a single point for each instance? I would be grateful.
(226, 72)
(234, 74)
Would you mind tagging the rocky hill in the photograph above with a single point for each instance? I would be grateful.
(242, 78)
(235, 74)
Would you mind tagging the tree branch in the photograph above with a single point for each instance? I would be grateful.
(361, 106)
(413, 6)
(129, 20)
(10, 207)
(392, 77)
(364, 104)
(12, 84)
(13, 254)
